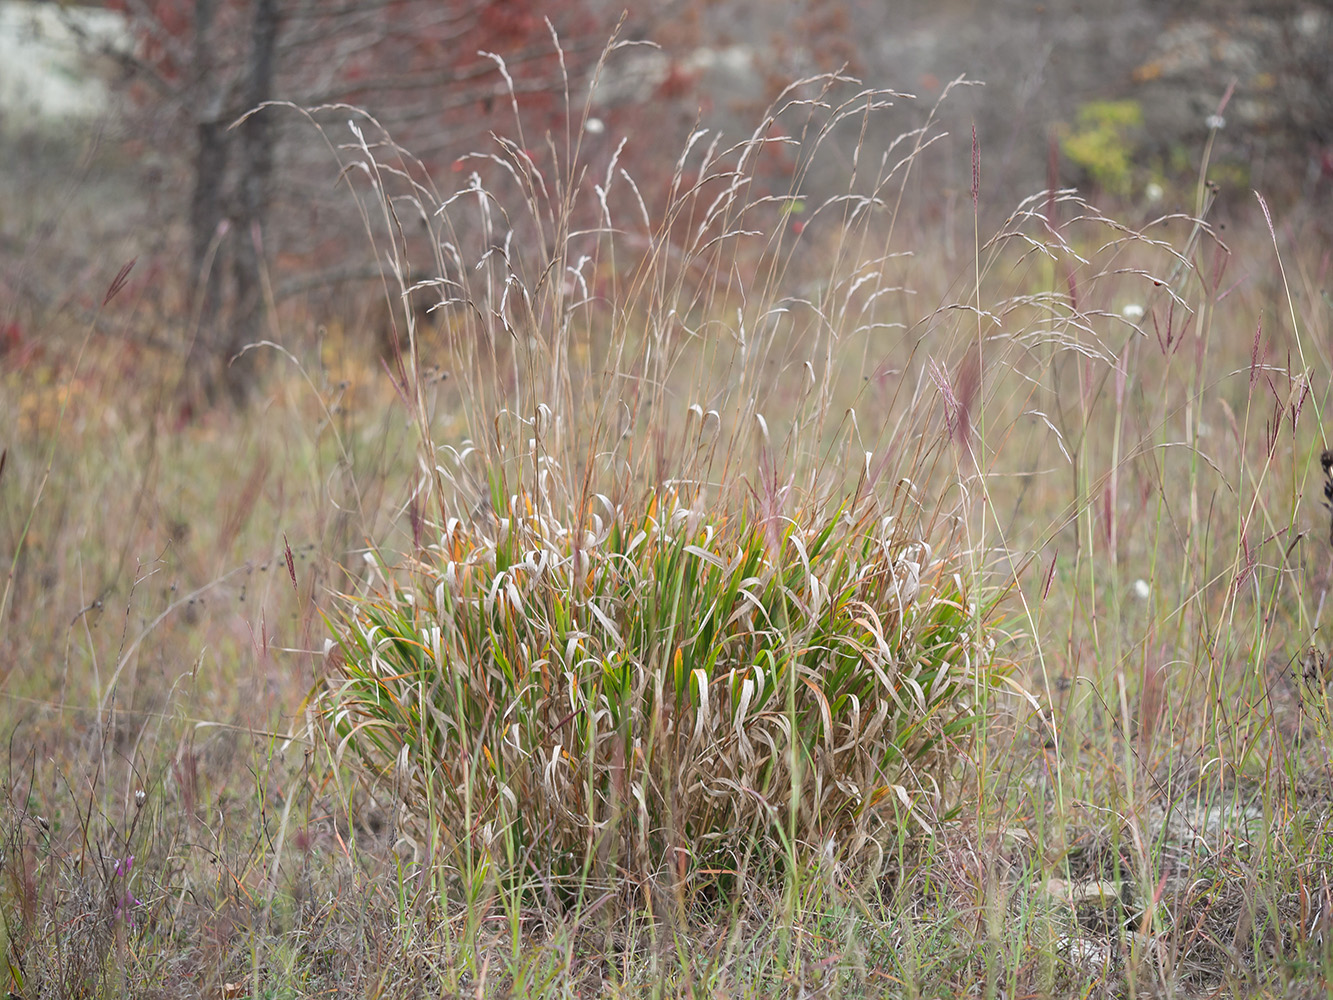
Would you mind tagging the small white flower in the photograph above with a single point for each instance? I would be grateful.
(1154, 192)
(1132, 312)
(594, 126)
(1141, 589)
(1215, 122)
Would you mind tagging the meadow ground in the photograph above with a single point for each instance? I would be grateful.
(1083, 448)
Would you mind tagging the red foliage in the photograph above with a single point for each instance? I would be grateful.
(171, 22)
(441, 77)
(17, 349)
(396, 58)
(677, 83)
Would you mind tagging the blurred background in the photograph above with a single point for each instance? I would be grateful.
(118, 141)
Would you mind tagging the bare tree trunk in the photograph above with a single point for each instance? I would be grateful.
(207, 202)
(256, 171)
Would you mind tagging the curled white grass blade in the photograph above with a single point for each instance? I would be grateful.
(607, 624)
(760, 683)
(853, 725)
(763, 426)
(548, 771)
(712, 558)
(906, 800)
(488, 603)
(515, 602)
(738, 722)
(703, 715)
(871, 625)
(1022, 692)
(918, 695)
(712, 423)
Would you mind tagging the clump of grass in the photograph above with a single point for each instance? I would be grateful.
(668, 691)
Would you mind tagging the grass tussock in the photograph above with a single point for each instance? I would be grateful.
(727, 592)
(663, 695)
